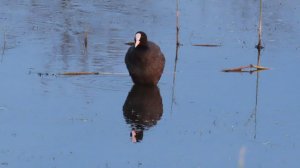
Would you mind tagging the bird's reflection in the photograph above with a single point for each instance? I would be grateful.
(142, 109)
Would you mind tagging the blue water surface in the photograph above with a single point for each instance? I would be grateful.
(209, 118)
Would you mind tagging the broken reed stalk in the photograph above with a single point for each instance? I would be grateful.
(259, 45)
(79, 73)
(177, 23)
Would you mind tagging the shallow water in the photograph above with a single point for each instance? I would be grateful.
(204, 117)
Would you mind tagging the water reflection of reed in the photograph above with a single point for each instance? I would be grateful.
(174, 77)
(142, 109)
(79, 40)
(259, 48)
(176, 54)
(254, 113)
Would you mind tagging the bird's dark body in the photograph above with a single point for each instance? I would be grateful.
(145, 63)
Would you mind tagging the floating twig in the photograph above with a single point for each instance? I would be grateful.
(81, 73)
(248, 68)
(91, 73)
(208, 45)
(258, 67)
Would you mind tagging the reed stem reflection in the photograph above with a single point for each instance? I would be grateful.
(176, 54)
(254, 113)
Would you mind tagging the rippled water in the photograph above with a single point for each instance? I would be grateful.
(199, 117)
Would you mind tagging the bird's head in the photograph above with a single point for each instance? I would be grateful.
(140, 39)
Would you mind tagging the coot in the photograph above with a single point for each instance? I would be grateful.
(145, 61)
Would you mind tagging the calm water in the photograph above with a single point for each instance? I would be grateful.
(203, 118)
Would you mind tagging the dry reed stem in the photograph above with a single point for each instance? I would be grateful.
(177, 23)
(259, 45)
